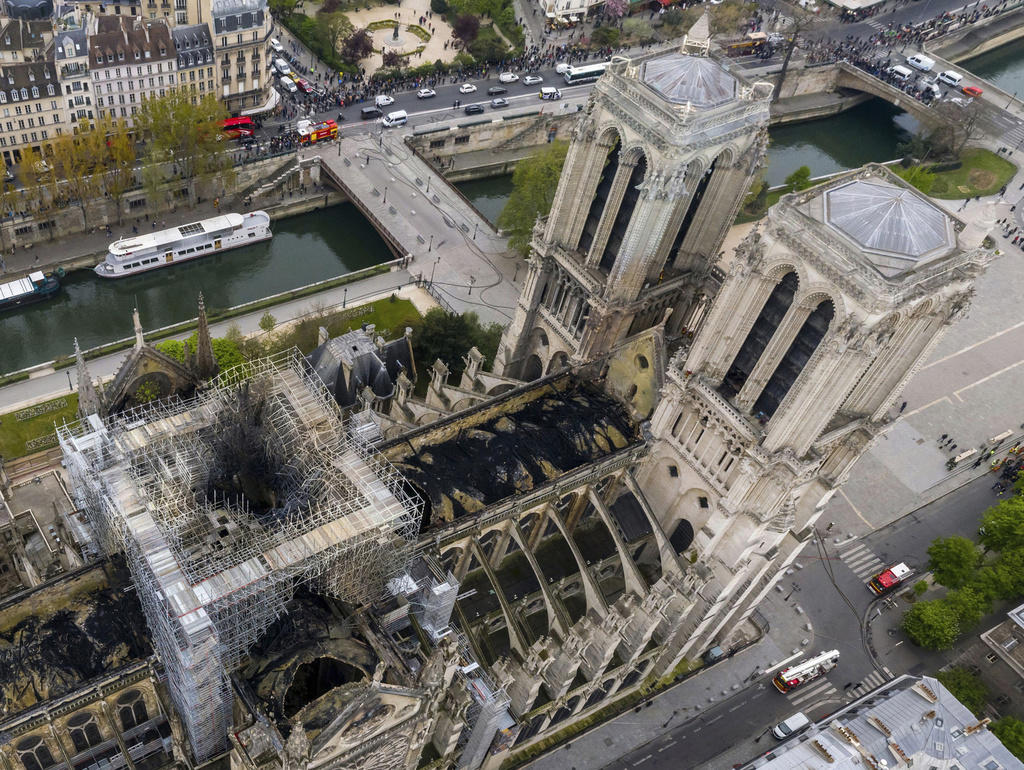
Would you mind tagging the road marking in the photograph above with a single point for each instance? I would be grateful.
(853, 507)
(737, 706)
(986, 379)
(712, 721)
(971, 347)
(781, 663)
(668, 746)
(641, 761)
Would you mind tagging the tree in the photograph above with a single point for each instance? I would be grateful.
(616, 9)
(1010, 732)
(533, 191)
(440, 7)
(357, 46)
(488, 46)
(919, 177)
(799, 23)
(187, 136)
(466, 28)
(957, 125)
(392, 59)
(334, 28)
(969, 604)
(119, 176)
(225, 349)
(638, 29)
(1002, 526)
(966, 688)
(448, 337)
(80, 160)
(268, 322)
(953, 560)
(933, 625)
(673, 17)
(605, 36)
(799, 179)
(727, 17)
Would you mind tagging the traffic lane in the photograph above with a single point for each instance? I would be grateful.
(740, 724)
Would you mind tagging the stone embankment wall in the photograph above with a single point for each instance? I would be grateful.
(979, 38)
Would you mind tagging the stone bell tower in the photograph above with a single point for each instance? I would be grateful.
(657, 168)
(826, 312)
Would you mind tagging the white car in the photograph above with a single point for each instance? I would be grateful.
(508, 77)
(532, 80)
(275, 45)
(425, 93)
(467, 88)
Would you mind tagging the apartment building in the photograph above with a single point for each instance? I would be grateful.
(31, 113)
(130, 60)
(71, 59)
(194, 47)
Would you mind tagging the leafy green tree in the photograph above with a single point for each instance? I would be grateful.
(673, 17)
(953, 560)
(638, 29)
(799, 179)
(605, 36)
(187, 137)
(449, 337)
(533, 191)
(919, 177)
(969, 604)
(334, 29)
(440, 7)
(225, 350)
(966, 688)
(488, 46)
(1010, 732)
(1002, 526)
(933, 625)
(267, 322)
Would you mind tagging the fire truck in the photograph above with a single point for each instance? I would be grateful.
(810, 669)
(318, 132)
(889, 578)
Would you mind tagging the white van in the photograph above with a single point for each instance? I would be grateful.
(900, 72)
(548, 92)
(288, 84)
(790, 725)
(396, 118)
(921, 62)
(562, 67)
(282, 67)
(951, 78)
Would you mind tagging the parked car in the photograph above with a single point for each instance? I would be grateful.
(473, 109)
(499, 102)
(508, 77)
(383, 100)
(275, 45)
(972, 91)
(426, 93)
(532, 80)
(496, 90)
(467, 88)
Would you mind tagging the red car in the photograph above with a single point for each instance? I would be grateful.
(972, 91)
(305, 87)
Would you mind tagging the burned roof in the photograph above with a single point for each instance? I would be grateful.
(512, 445)
(57, 638)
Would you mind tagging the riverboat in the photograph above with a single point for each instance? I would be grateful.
(149, 251)
(25, 291)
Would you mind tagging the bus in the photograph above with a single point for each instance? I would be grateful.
(585, 74)
(237, 128)
(810, 669)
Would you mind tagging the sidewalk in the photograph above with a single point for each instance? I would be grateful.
(685, 701)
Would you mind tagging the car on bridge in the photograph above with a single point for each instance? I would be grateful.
(532, 80)
(426, 93)
(467, 88)
(508, 77)
(473, 109)
(499, 102)
(496, 90)
(383, 100)
(972, 91)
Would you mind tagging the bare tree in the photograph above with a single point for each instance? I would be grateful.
(958, 125)
(797, 25)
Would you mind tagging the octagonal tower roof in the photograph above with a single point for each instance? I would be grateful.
(896, 227)
(685, 79)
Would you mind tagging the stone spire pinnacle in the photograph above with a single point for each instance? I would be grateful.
(205, 364)
(88, 398)
(698, 39)
(139, 339)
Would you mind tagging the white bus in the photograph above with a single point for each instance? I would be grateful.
(585, 74)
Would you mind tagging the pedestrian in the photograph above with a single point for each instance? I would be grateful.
(903, 406)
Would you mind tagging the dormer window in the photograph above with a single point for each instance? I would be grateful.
(163, 51)
(31, 75)
(14, 95)
(46, 74)
(147, 53)
(110, 58)
(24, 93)
(49, 90)
(35, 92)
(120, 55)
(3, 97)
(136, 56)
(99, 58)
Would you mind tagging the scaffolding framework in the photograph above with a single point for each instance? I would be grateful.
(211, 573)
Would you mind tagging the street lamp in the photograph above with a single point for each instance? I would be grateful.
(1011, 101)
(472, 280)
(514, 277)
(431, 246)
(432, 271)
(385, 195)
(344, 297)
(476, 227)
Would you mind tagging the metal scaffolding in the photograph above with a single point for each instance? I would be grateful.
(213, 572)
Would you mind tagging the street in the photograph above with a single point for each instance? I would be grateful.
(735, 729)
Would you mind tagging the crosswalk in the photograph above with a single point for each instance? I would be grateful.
(862, 561)
(1014, 136)
(867, 684)
(877, 25)
(812, 693)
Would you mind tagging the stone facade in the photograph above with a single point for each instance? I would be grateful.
(656, 170)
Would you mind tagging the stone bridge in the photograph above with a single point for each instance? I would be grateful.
(855, 79)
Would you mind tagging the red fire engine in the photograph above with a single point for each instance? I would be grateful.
(889, 578)
(801, 673)
(318, 132)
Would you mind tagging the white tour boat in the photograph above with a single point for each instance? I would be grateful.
(149, 251)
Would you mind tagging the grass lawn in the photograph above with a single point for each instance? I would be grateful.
(389, 315)
(34, 433)
(745, 215)
(982, 173)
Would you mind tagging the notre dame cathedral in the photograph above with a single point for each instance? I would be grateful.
(651, 449)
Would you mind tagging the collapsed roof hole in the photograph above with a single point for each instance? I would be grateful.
(315, 678)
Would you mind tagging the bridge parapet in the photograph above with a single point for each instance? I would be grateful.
(856, 79)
